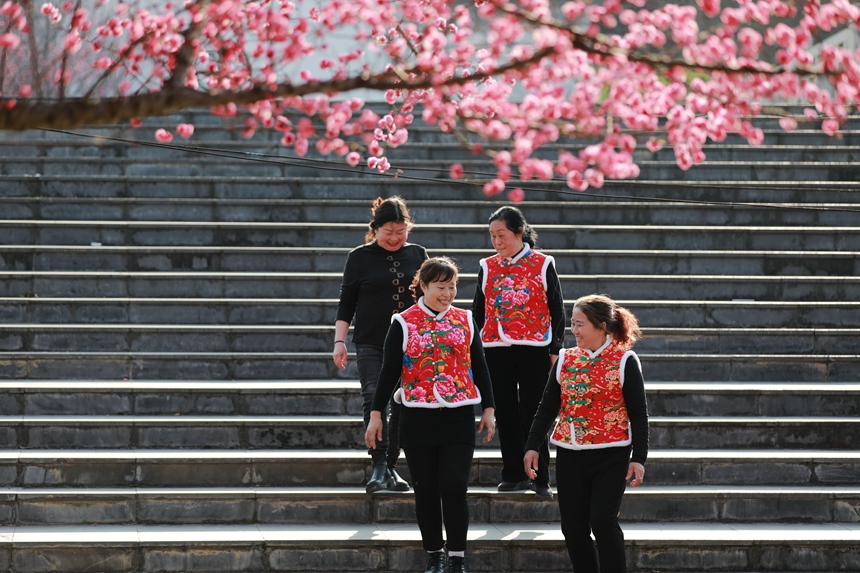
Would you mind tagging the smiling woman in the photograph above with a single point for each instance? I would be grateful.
(434, 358)
(375, 282)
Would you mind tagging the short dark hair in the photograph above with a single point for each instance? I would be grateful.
(433, 269)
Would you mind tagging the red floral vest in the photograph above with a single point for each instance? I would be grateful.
(516, 310)
(592, 413)
(437, 363)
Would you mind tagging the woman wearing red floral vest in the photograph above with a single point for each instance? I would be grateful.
(433, 350)
(519, 308)
(598, 395)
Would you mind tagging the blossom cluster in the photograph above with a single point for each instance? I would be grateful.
(515, 79)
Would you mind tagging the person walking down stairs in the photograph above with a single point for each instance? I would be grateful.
(519, 308)
(375, 279)
(433, 350)
(598, 395)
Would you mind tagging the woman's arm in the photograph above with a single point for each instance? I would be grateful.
(555, 301)
(637, 408)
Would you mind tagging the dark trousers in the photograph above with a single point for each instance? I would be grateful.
(519, 375)
(369, 362)
(440, 478)
(590, 486)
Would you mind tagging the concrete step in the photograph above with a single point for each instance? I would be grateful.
(190, 365)
(347, 432)
(565, 210)
(341, 398)
(521, 547)
(320, 313)
(312, 505)
(166, 337)
(432, 236)
(351, 468)
(203, 284)
(368, 186)
(21, 265)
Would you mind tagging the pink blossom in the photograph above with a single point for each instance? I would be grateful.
(516, 195)
(710, 7)
(163, 136)
(10, 41)
(653, 145)
(788, 123)
(456, 171)
(494, 187)
(353, 159)
(576, 182)
(301, 146)
(26, 90)
(185, 130)
(830, 127)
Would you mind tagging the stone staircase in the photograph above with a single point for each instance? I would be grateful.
(169, 402)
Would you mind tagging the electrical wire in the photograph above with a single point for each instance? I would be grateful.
(330, 165)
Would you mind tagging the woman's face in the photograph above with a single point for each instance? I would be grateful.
(439, 295)
(391, 236)
(587, 335)
(506, 242)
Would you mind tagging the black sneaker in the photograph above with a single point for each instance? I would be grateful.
(524, 485)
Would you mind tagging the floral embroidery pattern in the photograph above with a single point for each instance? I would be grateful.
(593, 411)
(516, 299)
(436, 363)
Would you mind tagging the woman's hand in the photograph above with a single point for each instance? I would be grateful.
(374, 429)
(530, 463)
(339, 355)
(636, 471)
(488, 421)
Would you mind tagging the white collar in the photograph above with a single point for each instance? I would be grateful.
(601, 349)
(526, 250)
(431, 312)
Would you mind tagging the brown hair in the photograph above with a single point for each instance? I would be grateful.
(434, 269)
(391, 210)
(620, 322)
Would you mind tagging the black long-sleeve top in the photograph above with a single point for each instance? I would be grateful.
(375, 286)
(431, 426)
(634, 400)
(555, 301)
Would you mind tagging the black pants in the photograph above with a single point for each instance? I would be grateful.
(590, 486)
(440, 478)
(519, 375)
(369, 362)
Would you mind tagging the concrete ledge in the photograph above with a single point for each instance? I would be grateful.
(523, 547)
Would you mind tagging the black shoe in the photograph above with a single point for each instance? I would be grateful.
(436, 563)
(456, 564)
(380, 479)
(515, 485)
(543, 491)
(400, 484)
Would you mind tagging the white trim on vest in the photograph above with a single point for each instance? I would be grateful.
(504, 339)
(573, 445)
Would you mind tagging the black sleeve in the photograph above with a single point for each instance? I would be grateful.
(546, 413)
(349, 287)
(555, 300)
(637, 409)
(478, 301)
(480, 371)
(392, 364)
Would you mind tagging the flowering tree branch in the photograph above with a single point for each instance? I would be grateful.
(520, 74)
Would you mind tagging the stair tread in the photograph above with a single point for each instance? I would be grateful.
(804, 455)
(479, 533)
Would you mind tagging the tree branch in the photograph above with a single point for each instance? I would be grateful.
(32, 114)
